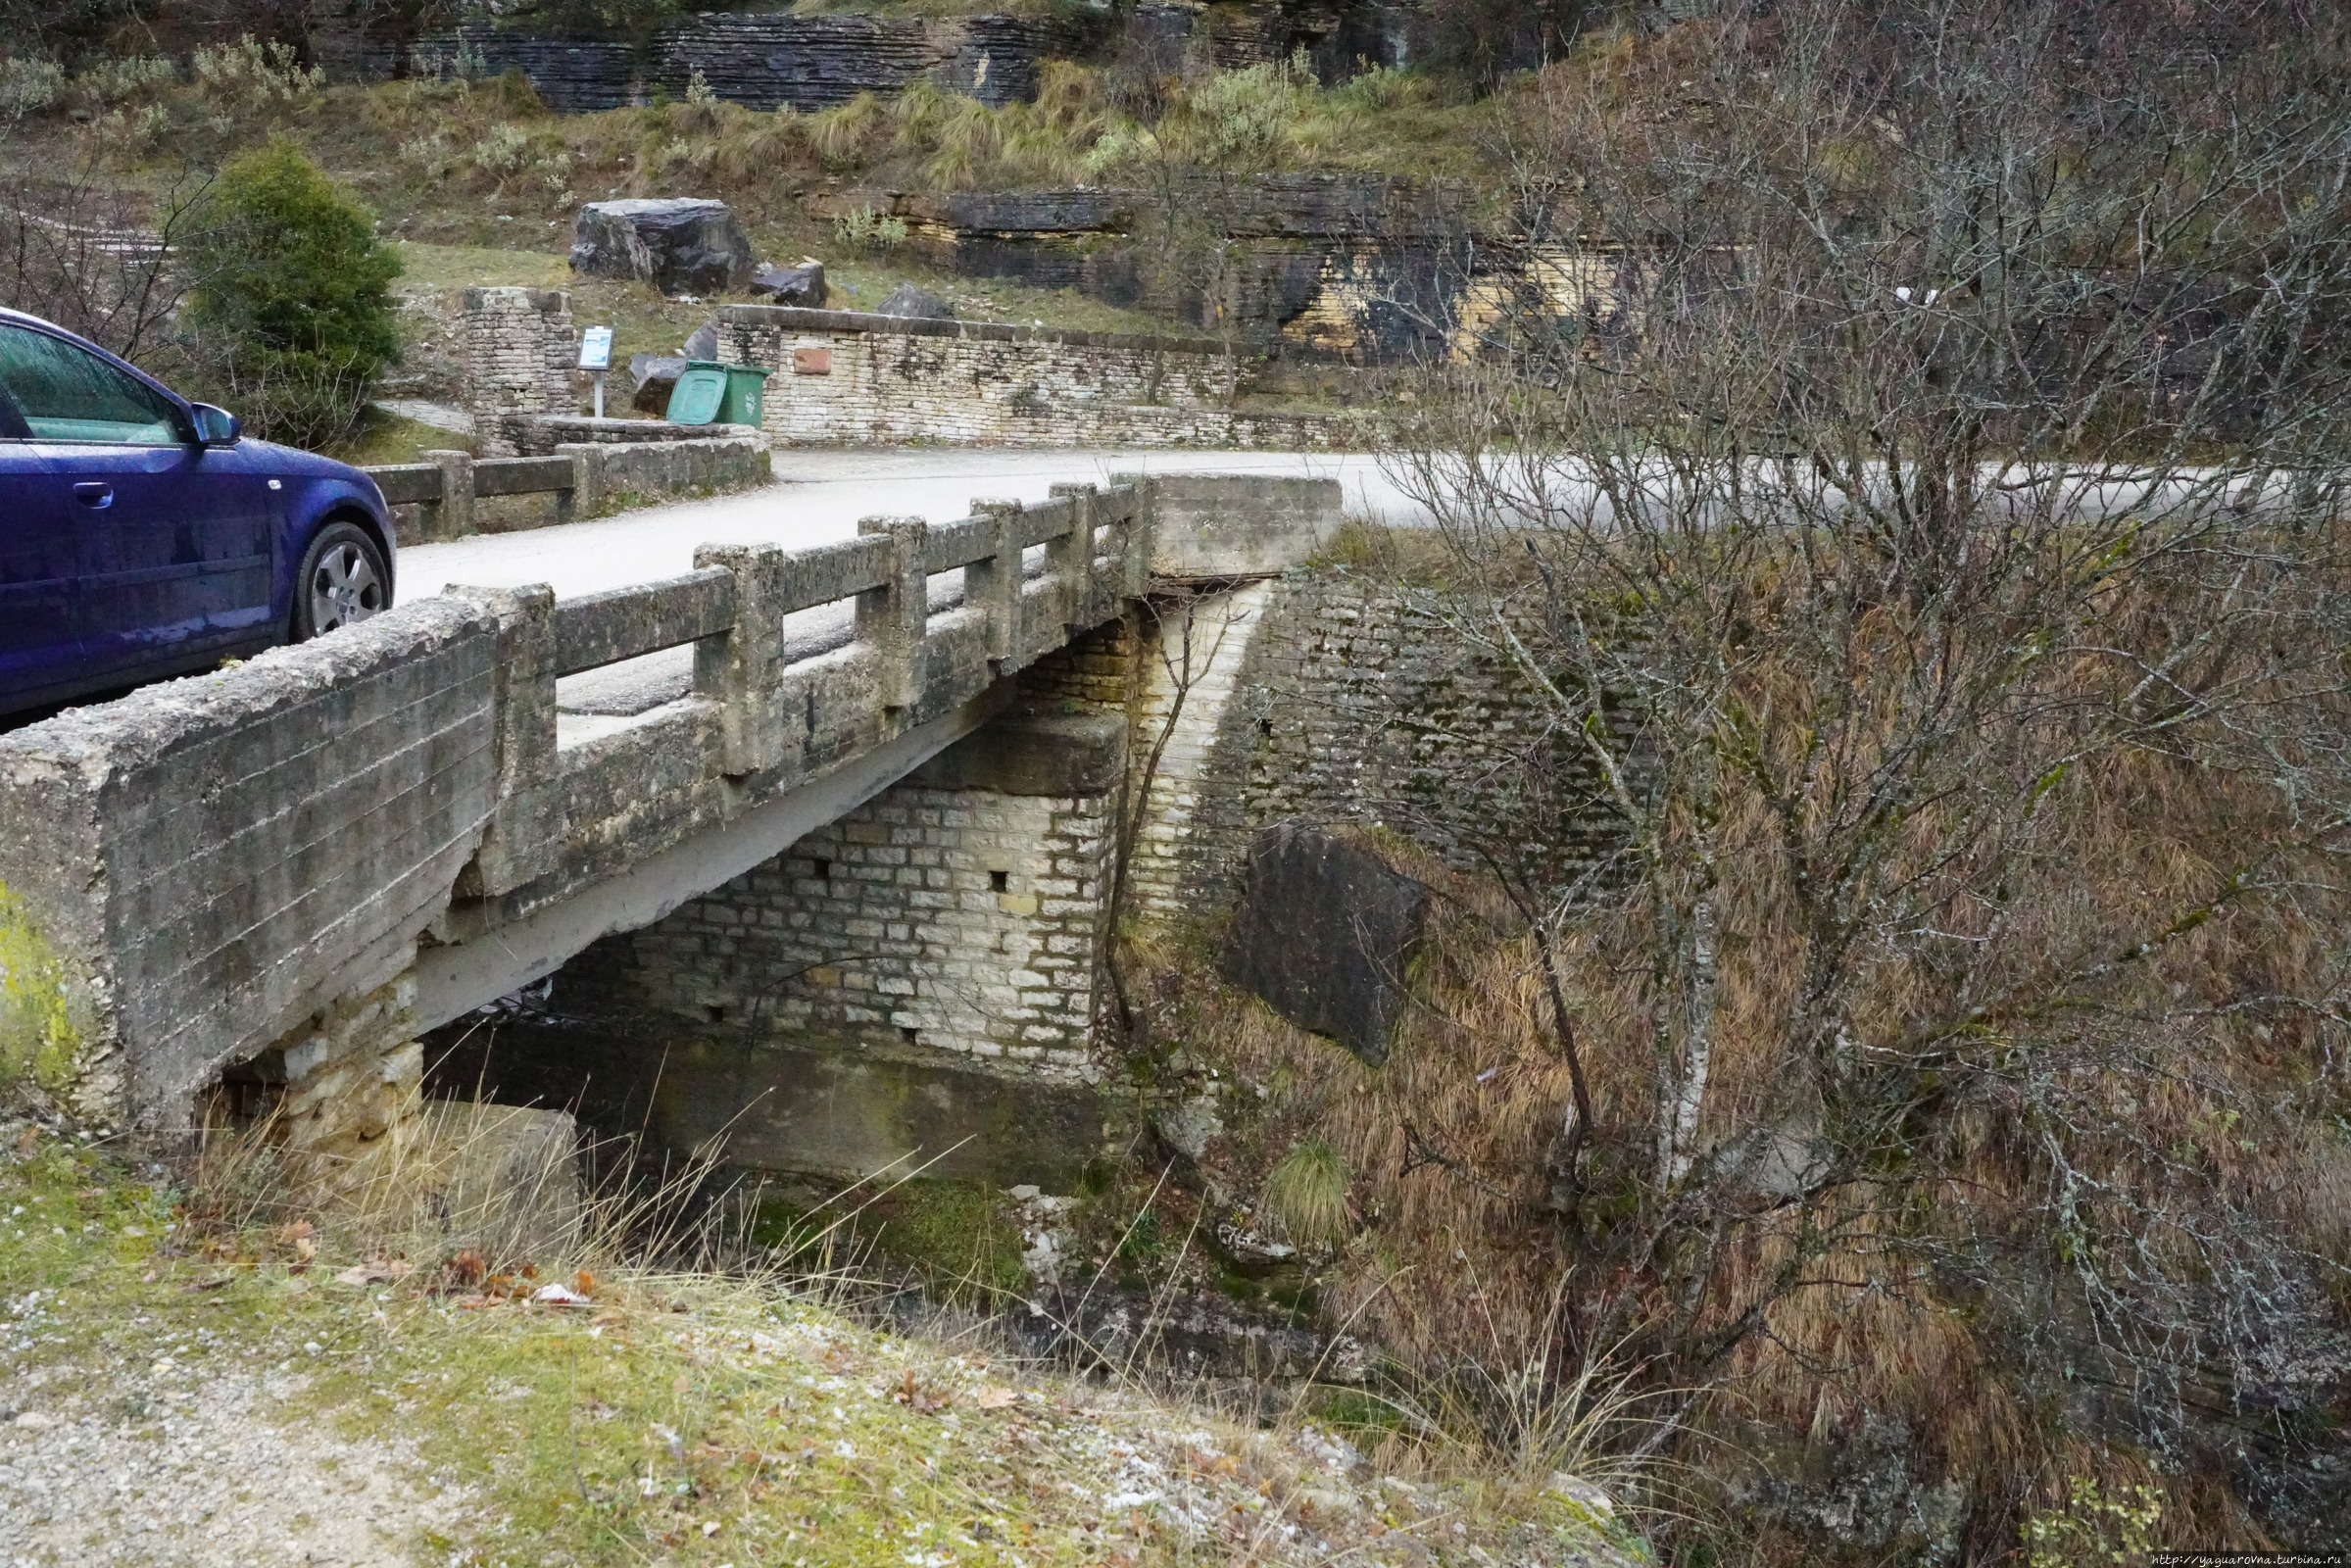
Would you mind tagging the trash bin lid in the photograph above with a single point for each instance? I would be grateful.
(701, 388)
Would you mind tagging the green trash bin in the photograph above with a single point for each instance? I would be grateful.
(746, 394)
(700, 394)
(711, 393)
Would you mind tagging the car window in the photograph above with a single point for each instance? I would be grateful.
(69, 394)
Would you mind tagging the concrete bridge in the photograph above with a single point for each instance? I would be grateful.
(271, 881)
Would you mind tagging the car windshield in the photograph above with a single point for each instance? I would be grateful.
(69, 394)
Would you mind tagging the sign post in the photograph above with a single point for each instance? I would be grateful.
(596, 354)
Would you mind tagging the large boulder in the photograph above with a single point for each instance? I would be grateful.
(802, 285)
(909, 300)
(1324, 935)
(680, 244)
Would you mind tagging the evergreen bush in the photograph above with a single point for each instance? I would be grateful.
(291, 312)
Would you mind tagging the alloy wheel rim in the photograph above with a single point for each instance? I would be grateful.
(344, 588)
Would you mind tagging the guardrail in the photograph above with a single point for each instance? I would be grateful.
(583, 477)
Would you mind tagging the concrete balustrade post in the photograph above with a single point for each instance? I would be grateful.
(743, 671)
(586, 495)
(525, 828)
(452, 517)
(1135, 540)
(1070, 558)
(892, 619)
(993, 584)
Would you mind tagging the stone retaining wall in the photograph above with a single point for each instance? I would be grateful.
(1324, 698)
(846, 377)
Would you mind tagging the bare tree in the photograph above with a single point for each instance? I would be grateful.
(1912, 482)
(80, 251)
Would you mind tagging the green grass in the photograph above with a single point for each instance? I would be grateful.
(683, 1419)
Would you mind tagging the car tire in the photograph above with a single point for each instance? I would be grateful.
(343, 580)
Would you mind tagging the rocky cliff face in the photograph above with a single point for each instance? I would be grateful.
(764, 60)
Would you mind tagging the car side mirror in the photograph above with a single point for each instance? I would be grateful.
(215, 427)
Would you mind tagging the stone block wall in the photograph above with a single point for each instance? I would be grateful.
(761, 60)
(843, 376)
(519, 352)
(944, 921)
(1327, 699)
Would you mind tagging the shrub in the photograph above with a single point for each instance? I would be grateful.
(246, 73)
(292, 308)
(1306, 1196)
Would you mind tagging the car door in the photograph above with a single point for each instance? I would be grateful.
(172, 539)
(39, 658)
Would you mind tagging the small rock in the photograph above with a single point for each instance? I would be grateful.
(802, 285)
(1023, 1192)
(33, 1421)
(909, 300)
(656, 377)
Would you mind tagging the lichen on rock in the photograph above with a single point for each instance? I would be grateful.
(39, 1043)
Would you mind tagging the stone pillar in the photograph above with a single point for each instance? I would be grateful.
(518, 355)
(891, 617)
(452, 517)
(1069, 559)
(993, 582)
(523, 827)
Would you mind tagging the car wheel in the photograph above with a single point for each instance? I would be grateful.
(343, 580)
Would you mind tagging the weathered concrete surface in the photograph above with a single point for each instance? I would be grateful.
(1031, 753)
(1239, 525)
(1326, 934)
(226, 856)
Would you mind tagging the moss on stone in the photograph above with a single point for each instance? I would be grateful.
(39, 1043)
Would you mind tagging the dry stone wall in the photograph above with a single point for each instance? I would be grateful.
(760, 60)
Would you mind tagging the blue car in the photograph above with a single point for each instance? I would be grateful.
(142, 537)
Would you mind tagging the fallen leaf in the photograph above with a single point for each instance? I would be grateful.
(996, 1398)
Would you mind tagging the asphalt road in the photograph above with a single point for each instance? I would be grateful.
(822, 495)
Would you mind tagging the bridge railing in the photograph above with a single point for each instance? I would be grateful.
(583, 479)
(577, 799)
